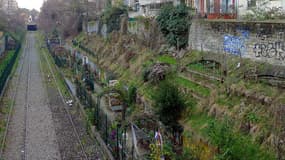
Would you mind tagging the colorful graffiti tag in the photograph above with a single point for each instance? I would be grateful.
(236, 44)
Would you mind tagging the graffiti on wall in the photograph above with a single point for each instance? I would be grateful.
(274, 50)
(236, 44)
(270, 48)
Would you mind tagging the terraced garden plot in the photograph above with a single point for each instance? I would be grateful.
(196, 88)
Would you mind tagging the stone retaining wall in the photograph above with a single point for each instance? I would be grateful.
(254, 40)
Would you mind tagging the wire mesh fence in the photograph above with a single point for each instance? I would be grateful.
(7, 70)
(112, 132)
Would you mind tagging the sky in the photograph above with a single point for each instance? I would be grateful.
(30, 4)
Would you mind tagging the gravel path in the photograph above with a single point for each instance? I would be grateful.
(31, 130)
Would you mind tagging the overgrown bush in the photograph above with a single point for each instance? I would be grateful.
(156, 72)
(232, 145)
(170, 103)
(174, 23)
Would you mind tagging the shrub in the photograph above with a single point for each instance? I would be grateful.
(170, 103)
(132, 94)
(174, 23)
(232, 145)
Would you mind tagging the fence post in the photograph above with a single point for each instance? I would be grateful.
(106, 130)
(124, 142)
(98, 104)
(117, 138)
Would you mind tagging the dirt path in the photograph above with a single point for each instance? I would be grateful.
(31, 133)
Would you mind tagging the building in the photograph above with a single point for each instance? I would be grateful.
(230, 9)
(212, 9)
(147, 8)
(246, 5)
(9, 6)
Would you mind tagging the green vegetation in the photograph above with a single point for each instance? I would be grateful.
(232, 145)
(204, 69)
(170, 103)
(174, 23)
(132, 94)
(8, 64)
(167, 59)
(197, 113)
(6, 104)
(60, 79)
(229, 101)
(90, 112)
(112, 17)
(6, 60)
(196, 88)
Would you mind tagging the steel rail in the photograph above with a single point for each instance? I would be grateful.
(14, 96)
(27, 103)
(65, 107)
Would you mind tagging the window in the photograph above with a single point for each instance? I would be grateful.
(251, 3)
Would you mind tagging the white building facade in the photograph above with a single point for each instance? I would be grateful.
(147, 8)
(9, 6)
(244, 6)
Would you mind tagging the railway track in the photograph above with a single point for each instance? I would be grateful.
(27, 104)
(30, 130)
(21, 77)
(37, 125)
(66, 110)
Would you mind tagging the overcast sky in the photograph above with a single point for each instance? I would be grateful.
(30, 4)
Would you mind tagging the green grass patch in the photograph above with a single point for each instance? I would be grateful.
(60, 79)
(6, 60)
(193, 86)
(232, 144)
(90, 112)
(229, 101)
(147, 90)
(198, 122)
(202, 68)
(167, 59)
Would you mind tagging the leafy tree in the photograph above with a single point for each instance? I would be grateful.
(112, 17)
(264, 11)
(174, 23)
(170, 103)
(65, 15)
